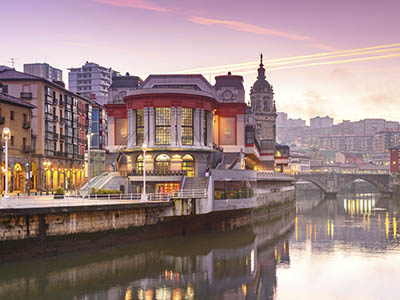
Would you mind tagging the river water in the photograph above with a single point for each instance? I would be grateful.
(347, 248)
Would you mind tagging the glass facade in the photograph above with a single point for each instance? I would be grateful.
(163, 126)
(139, 127)
(187, 126)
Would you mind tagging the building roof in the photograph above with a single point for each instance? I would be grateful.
(229, 80)
(13, 75)
(126, 81)
(15, 101)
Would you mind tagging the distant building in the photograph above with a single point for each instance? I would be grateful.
(90, 79)
(43, 70)
(394, 160)
(122, 86)
(349, 158)
(321, 122)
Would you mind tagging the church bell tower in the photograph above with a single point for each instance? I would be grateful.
(263, 106)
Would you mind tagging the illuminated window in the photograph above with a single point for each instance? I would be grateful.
(139, 127)
(163, 163)
(139, 164)
(205, 128)
(188, 165)
(163, 126)
(187, 126)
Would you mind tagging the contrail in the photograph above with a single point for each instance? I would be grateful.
(270, 61)
(330, 62)
(305, 60)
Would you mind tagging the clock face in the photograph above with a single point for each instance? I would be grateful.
(227, 95)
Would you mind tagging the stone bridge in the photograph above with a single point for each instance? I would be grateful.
(332, 183)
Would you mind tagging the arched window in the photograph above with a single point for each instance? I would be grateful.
(163, 163)
(266, 104)
(188, 165)
(139, 164)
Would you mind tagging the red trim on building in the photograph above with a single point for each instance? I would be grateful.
(267, 154)
(116, 110)
(170, 100)
(231, 109)
(249, 145)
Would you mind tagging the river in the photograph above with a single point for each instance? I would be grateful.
(347, 248)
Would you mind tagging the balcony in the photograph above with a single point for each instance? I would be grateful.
(26, 96)
(56, 136)
(55, 101)
(61, 103)
(62, 138)
(26, 124)
(55, 120)
(62, 121)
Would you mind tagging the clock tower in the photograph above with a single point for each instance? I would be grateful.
(263, 106)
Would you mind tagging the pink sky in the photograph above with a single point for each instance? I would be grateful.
(148, 37)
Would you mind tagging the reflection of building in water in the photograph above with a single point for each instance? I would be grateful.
(356, 218)
(239, 264)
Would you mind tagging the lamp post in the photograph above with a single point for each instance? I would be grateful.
(6, 136)
(144, 195)
(89, 135)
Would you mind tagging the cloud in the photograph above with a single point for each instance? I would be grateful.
(246, 27)
(141, 4)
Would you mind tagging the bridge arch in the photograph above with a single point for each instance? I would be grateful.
(369, 179)
(316, 183)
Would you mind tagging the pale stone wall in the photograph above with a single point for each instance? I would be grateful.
(60, 224)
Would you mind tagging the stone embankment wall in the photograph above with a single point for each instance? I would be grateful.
(37, 232)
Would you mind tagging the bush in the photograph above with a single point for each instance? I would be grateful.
(59, 191)
(104, 192)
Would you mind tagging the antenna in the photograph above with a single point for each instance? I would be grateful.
(12, 60)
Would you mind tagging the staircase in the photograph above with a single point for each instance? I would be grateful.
(195, 183)
(98, 182)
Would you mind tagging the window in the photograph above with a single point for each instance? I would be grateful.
(139, 164)
(205, 128)
(163, 126)
(12, 140)
(139, 127)
(188, 165)
(12, 115)
(163, 163)
(187, 126)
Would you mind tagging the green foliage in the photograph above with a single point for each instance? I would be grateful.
(104, 192)
(59, 191)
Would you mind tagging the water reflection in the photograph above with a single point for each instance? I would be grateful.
(318, 251)
(232, 265)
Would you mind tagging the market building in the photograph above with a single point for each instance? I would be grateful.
(180, 126)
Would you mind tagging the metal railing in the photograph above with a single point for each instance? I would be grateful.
(153, 197)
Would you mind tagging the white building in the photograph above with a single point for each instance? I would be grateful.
(91, 79)
(43, 70)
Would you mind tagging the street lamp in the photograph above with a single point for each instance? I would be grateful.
(144, 195)
(88, 136)
(6, 136)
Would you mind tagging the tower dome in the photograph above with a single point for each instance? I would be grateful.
(261, 85)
